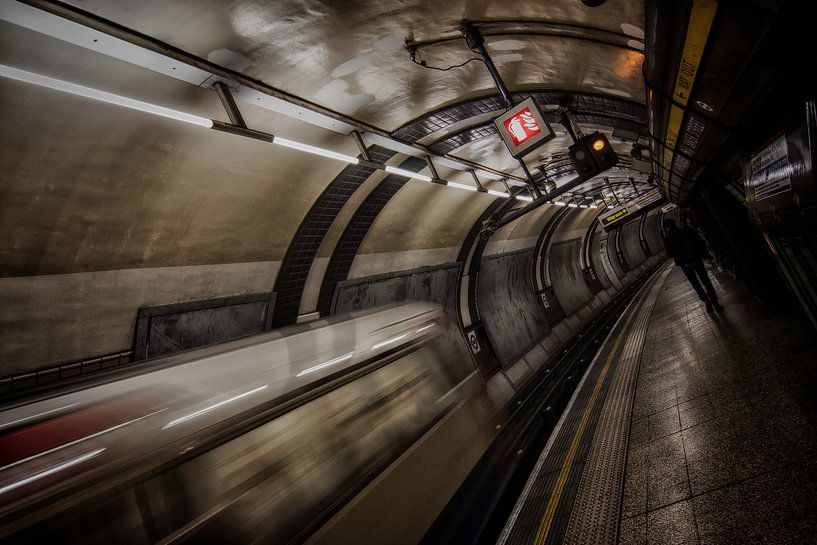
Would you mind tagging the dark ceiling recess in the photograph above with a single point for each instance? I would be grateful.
(593, 3)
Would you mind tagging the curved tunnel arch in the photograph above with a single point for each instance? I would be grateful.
(299, 260)
(347, 214)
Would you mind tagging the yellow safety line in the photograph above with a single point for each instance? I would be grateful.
(700, 23)
(555, 496)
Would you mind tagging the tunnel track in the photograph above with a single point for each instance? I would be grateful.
(479, 509)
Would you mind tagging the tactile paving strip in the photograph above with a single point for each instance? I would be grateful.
(595, 515)
(542, 513)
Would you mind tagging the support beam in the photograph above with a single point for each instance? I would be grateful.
(612, 191)
(476, 43)
(364, 152)
(531, 184)
(85, 29)
(635, 188)
(433, 169)
(476, 180)
(539, 201)
(229, 104)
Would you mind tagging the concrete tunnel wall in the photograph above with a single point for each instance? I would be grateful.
(511, 310)
(105, 211)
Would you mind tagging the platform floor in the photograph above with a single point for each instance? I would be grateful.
(723, 437)
(719, 414)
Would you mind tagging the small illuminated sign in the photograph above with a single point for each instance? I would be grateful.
(522, 128)
(615, 215)
(631, 209)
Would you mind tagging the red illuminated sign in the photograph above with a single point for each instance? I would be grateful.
(521, 126)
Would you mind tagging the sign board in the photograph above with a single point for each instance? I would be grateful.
(523, 128)
(631, 209)
(770, 171)
(473, 342)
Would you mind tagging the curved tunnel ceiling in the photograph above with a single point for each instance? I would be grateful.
(332, 215)
(351, 58)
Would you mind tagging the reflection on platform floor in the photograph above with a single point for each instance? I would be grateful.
(724, 434)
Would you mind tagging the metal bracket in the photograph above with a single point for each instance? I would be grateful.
(229, 104)
(433, 169)
(476, 43)
(361, 146)
(476, 180)
(531, 183)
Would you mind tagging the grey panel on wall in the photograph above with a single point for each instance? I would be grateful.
(165, 329)
(652, 232)
(566, 275)
(613, 256)
(435, 284)
(513, 318)
(595, 258)
(631, 244)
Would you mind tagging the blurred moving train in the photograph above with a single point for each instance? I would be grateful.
(256, 440)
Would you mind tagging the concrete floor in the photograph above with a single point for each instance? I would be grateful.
(723, 440)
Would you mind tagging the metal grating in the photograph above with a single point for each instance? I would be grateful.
(614, 111)
(449, 144)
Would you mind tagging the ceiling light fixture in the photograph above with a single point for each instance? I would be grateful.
(102, 96)
(287, 143)
(559, 203)
(408, 173)
(461, 186)
(145, 107)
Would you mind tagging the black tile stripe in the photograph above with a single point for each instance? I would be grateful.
(344, 254)
(604, 110)
(295, 267)
(289, 285)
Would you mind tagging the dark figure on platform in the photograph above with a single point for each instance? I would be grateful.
(688, 250)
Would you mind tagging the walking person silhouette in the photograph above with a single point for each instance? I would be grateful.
(688, 249)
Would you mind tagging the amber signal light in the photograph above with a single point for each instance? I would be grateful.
(598, 145)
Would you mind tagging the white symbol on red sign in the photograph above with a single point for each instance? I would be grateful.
(522, 126)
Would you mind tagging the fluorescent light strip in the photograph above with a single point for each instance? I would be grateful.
(211, 407)
(329, 363)
(51, 470)
(102, 96)
(498, 193)
(461, 186)
(408, 173)
(389, 341)
(292, 144)
(429, 326)
(559, 203)
(573, 205)
(594, 206)
(19, 420)
(524, 198)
